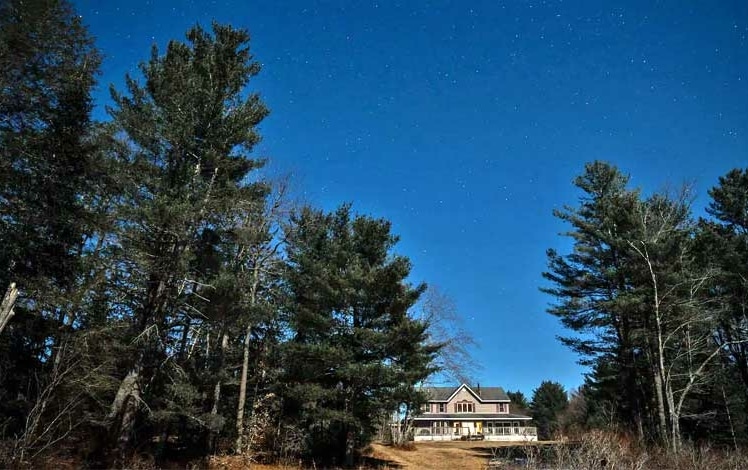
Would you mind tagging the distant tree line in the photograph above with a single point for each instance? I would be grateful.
(162, 295)
(657, 302)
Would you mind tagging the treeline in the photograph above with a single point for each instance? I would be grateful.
(163, 296)
(659, 304)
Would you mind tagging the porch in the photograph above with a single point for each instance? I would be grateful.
(489, 431)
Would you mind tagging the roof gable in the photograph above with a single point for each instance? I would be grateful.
(487, 394)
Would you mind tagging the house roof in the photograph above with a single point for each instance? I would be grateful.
(482, 393)
(471, 417)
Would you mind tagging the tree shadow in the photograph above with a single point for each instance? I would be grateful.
(374, 462)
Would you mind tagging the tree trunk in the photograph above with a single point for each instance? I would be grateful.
(213, 434)
(6, 307)
(350, 445)
(242, 393)
(185, 336)
(674, 418)
(729, 419)
(217, 388)
(129, 397)
(660, 366)
(245, 366)
(124, 410)
(662, 427)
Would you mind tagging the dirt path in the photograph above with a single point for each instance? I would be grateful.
(423, 456)
(436, 455)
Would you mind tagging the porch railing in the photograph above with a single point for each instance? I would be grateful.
(511, 431)
(465, 431)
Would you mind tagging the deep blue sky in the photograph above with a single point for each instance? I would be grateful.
(464, 124)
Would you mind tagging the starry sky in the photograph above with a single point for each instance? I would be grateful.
(465, 122)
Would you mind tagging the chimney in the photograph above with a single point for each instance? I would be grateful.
(477, 389)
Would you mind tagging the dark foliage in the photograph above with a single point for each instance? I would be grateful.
(163, 309)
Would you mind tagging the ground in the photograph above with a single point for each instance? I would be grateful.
(435, 455)
(438, 455)
(422, 456)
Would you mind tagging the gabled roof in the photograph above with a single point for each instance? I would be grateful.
(486, 394)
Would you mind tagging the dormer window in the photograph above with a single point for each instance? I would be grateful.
(503, 408)
(466, 407)
(442, 407)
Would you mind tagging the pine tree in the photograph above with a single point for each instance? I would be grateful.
(592, 285)
(638, 296)
(190, 128)
(355, 351)
(549, 401)
(722, 244)
(48, 66)
(519, 402)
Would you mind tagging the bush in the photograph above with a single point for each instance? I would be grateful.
(614, 451)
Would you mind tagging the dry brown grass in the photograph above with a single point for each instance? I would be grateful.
(617, 451)
(420, 456)
(436, 455)
(440, 455)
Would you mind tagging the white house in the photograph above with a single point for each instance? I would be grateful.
(462, 413)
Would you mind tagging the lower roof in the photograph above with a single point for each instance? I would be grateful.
(470, 417)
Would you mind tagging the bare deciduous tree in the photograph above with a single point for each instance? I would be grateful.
(261, 263)
(680, 323)
(446, 327)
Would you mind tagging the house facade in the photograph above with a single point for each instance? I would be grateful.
(462, 412)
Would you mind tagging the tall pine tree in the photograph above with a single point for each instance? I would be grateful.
(190, 129)
(591, 285)
(48, 66)
(355, 351)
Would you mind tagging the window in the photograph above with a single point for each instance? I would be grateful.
(466, 407)
(442, 407)
(503, 408)
(440, 428)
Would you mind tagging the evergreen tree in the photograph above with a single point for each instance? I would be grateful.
(639, 298)
(549, 401)
(48, 66)
(355, 352)
(722, 244)
(519, 402)
(592, 284)
(189, 129)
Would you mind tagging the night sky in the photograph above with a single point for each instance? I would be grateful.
(464, 123)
